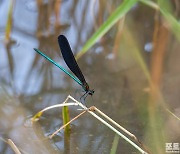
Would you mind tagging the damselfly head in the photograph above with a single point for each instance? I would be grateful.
(86, 88)
(91, 92)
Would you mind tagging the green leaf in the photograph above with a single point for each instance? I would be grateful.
(107, 25)
(66, 118)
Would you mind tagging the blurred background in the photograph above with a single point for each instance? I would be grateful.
(131, 61)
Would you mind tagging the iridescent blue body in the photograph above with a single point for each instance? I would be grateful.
(71, 63)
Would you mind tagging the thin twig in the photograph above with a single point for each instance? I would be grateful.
(67, 124)
(90, 110)
(120, 127)
(13, 146)
(39, 114)
(119, 133)
(115, 123)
